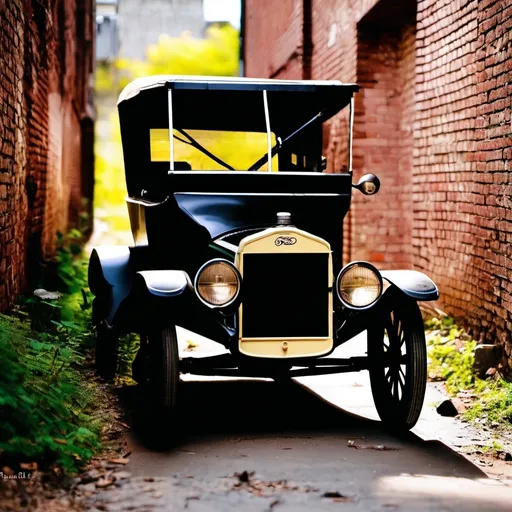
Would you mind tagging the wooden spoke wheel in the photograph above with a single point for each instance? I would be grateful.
(398, 361)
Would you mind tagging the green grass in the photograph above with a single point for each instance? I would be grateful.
(451, 355)
(494, 402)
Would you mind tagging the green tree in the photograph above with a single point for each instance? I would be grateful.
(217, 54)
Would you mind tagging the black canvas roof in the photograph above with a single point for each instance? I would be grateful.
(233, 103)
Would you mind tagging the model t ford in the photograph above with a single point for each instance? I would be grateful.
(249, 255)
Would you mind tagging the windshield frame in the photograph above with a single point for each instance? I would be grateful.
(271, 151)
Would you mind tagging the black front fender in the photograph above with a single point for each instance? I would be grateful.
(414, 284)
(109, 280)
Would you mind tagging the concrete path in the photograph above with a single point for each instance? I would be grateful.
(254, 445)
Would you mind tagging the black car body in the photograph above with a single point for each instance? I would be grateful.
(251, 259)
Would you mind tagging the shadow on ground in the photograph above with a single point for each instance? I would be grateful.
(297, 452)
(218, 410)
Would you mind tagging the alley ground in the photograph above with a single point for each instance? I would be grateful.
(254, 445)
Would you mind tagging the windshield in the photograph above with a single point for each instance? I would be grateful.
(208, 150)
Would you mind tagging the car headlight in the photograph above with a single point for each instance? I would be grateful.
(359, 285)
(217, 283)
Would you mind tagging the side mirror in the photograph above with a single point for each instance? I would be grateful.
(368, 184)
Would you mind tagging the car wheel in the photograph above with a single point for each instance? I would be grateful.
(106, 352)
(160, 386)
(398, 361)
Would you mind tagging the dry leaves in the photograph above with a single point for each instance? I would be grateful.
(29, 466)
(104, 482)
(378, 447)
(337, 497)
(119, 461)
(247, 482)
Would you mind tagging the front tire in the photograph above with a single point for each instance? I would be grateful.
(398, 361)
(160, 387)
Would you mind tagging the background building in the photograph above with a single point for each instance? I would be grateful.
(125, 28)
(46, 131)
(433, 121)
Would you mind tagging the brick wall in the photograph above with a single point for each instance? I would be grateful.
(276, 29)
(383, 142)
(46, 51)
(462, 174)
(433, 120)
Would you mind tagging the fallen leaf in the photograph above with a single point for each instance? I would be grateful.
(119, 461)
(337, 497)
(378, 447)
(244, 476)
(104, 482)
(29, 466)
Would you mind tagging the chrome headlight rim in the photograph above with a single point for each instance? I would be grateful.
(237, 295)
(359, 264)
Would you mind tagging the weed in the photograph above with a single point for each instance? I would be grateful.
(44, 406)
(451, 355)
(48, 410)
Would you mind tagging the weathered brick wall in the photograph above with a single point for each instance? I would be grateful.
(433, 120)
(46, 51)
(383, 142)
(13, 207)
(462, 174)
(275, 29)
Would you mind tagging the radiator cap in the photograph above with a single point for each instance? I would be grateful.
(284, 219)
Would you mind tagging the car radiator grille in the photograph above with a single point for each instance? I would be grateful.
(285, 296)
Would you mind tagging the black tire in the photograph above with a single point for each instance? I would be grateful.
(398, 361)
(160, 388)
(107, 343)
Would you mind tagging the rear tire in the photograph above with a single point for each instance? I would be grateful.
(398, 361)
(107, 343)
(160, 388)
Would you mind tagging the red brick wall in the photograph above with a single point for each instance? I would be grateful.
(434, 122)
(462, 172)
(383, 142)
(46, 58)
(275, 28)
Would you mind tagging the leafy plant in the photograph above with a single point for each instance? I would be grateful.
(44, 405)
(494, 402)
(451, 355)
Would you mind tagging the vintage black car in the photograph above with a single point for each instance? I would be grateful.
(249, 256)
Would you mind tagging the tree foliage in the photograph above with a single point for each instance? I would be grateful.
(217, 54)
